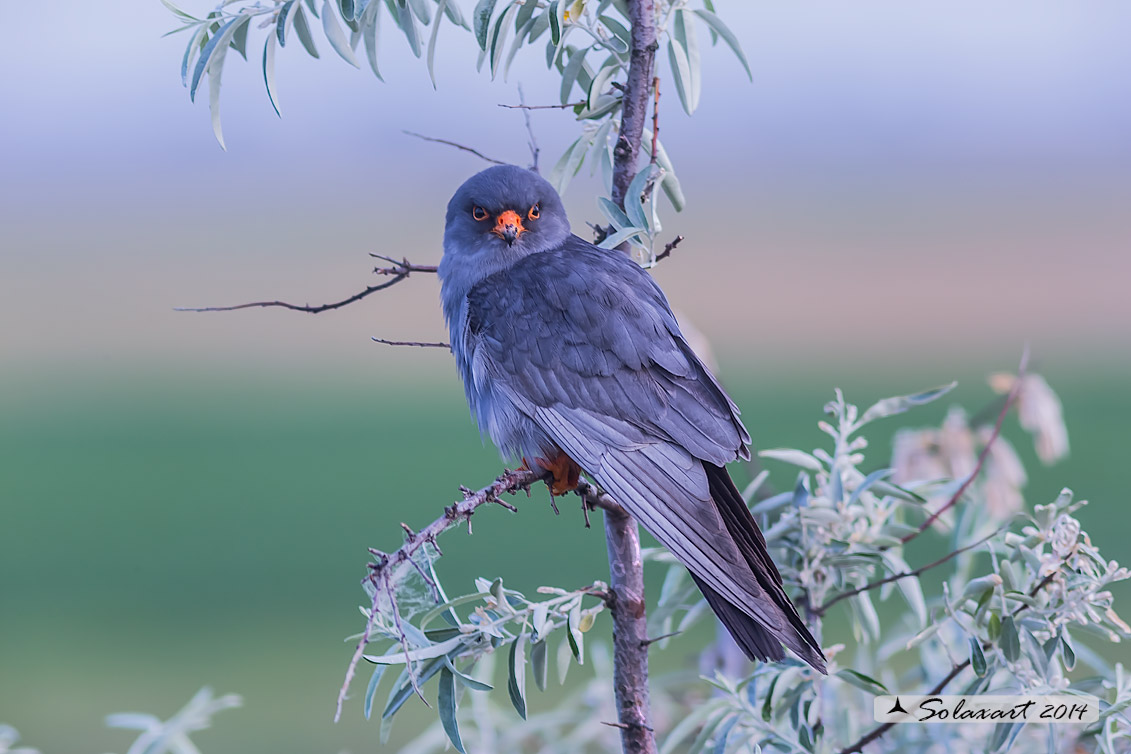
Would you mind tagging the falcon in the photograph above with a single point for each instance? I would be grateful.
(573, 361)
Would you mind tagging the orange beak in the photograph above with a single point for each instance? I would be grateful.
(508, 226)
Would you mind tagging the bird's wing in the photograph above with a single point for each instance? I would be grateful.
(583, 343)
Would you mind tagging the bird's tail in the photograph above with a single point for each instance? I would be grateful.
(757, 641)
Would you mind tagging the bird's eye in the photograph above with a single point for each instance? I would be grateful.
(479, 213)
(534, 212)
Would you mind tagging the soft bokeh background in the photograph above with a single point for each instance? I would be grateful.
(904, 196)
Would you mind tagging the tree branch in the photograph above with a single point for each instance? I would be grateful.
(300, 307)
(524, 106)
(413, 343)
(533, 143)
(626, 568)
(457, 145)
(634, 110)
(1009, 401)
(507, 483)
(823, 608)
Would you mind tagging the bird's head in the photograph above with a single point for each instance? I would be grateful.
(497, 217)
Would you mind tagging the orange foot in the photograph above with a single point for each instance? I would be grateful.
(565, 473)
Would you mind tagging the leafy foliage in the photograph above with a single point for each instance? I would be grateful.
(1020, 593)
(172, 736)
(585, 41)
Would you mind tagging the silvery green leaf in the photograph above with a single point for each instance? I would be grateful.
(614, 214)
(899, 404)
(432, 41)
(516, 683)
(455, 15)
(714, 34)
(1010, 641)
(215, 72)
(572, 68)
(555, 23)
(801, 491)
(498, 39)
(890, 489)
(303, 31)
(861, 681)
(600, 83)
(446, 704)
(516, 45)
(614, 240)
(867, 482)
(194, 45)
(178, 11)
(313, 8)
(269, 71)
(634, 197)
(793, 457)
(402, 690)
(565, 654)
(420, 10)
(727, 35)
(374, 681)
(336, 36)
(669, 183)
(370, 31)
(407, 22)
(539, 663)
(219, 40)
(910, 587)
(415, 655)
(977, 657)
(132, 721)
(239, 39)
(688, 39)
(538, 27)
(722, 733)
(621, 40)
(772, 503)
(600, 143)
(281, 21)
(525, 13)
(1067, 652)
(346, 7)
(681, 73)
(573, 634)
(481, 21)
(466, 680)
(570, 162)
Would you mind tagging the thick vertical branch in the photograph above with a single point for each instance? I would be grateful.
(630, 638)
(630, 648)
(634, 110)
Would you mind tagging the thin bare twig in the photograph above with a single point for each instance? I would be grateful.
(457, 145)
(823, 608)
(533, 143)
(300, 307)
(1009, 401)
(669, 248)
(413, 343)
(655, 119)
(400, 266)
(524, 106)
(508, 482)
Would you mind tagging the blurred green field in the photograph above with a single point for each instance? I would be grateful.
(161, 531)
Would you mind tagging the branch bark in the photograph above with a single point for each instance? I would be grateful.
(626, 568)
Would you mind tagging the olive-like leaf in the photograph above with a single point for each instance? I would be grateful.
(1010, 641)
(302, 28)
(540, 663)
(677, 56)
(421, 11)
(614, 240)
(793, 457)
(977, 657)
(861, 681)
(516, 684)
(634, 196)
(899, 404)
(446, 704)
(727, 35)
(371, 29)
(621, 39)
(194, 46)
(572, 68)
(239, 38)
(407, 22)
(269, 71)
(685, 34)
(338, 39)
(281, 21)
(374, 680)
(614, 214)
(555, 23)
(498, 39)
(432, 41)
(481, 21)
(217, 41)
(525, 13)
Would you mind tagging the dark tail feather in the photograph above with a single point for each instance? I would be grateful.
(756, 641)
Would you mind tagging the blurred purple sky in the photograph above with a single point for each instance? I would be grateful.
(973, 155)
